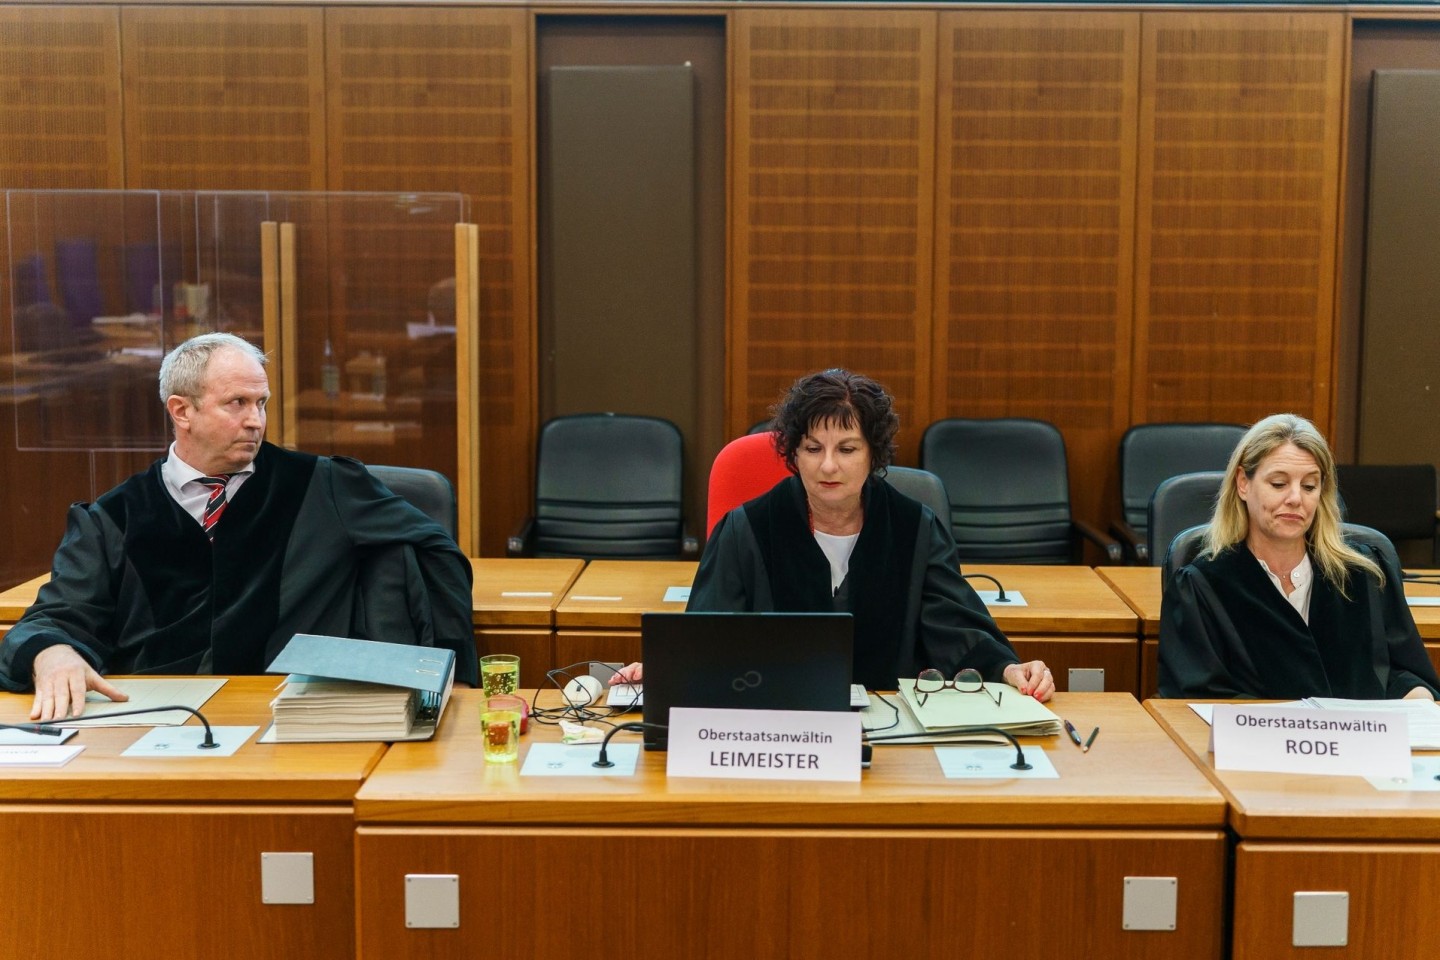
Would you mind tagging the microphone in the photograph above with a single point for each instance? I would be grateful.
(1000, 589)
(1019, 763)
(36, 728)
(207, 744)
(604, 759)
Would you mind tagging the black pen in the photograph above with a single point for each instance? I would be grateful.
(1093, 734)
(1070, 729)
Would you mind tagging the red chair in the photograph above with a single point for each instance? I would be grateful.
(744, 469)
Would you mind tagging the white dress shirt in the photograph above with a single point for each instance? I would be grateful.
(180, 480)
(1301, 579)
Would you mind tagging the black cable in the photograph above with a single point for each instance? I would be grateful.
(35, 728)
(891, 725)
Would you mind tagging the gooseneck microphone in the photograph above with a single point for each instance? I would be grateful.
(1019, 763)
(999, 588)
(50, 729)
(604, 759)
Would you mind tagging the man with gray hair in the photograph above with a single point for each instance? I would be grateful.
(211, 560)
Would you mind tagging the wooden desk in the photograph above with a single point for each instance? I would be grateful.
(515, 601)
(599, 619)
(1139, 587)
(903, 864)
(1072, 620)
(15, 601)
(1302, 833)
(135, 858)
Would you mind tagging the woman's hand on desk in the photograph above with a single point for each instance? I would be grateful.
(1420, 693)
(1032, 679)
(62, 677)
(631, 673)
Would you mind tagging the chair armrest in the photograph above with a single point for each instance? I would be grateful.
(519, 544)
(1111, 549)
(1129, 538)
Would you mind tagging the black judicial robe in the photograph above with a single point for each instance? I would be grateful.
(911, 607)
(308, 545)
(1226, 632)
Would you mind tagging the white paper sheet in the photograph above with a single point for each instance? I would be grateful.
(156, 692)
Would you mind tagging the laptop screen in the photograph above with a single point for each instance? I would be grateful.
(744, 661)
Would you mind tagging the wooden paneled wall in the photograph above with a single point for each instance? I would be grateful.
(1098, 217)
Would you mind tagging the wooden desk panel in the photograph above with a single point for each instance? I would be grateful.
(1117, 656)
(612, 594)
(1316, 833)
(1133, 776)
(777, 869)
(1139, 587)
(812, 894)
(15, 601)
(1060, 600)
(171, 848)
(514, 609)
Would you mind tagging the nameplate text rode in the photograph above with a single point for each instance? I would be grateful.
(1350, 743)
(764, 744)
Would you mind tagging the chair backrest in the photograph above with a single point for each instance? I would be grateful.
(1008, 486)
(1398, 500)
(1152, 452)
(426, 490)
(1178, 504)
(744, 468)
(762, 426)
(608, 485)
(921, 485)
(1186, 547)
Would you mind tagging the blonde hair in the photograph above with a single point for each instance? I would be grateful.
(1230, 524)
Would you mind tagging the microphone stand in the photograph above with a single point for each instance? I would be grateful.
(1019, 763)
(604, 759)
(52, 729)
(999, 589)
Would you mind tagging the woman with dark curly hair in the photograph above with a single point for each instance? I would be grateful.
(835, 536)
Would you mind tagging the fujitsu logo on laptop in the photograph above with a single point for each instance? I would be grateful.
(749, 680)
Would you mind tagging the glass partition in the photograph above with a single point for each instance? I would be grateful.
(351, 295)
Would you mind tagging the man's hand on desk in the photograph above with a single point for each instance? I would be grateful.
(62, 677)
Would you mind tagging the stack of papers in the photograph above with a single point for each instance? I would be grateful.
(949, 715)
(316, 709)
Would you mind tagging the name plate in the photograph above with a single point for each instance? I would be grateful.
(764, 744)
(1347, 743)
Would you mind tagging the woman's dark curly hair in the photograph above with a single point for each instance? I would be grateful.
(844, 398)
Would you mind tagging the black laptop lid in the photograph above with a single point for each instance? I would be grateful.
(744, 661)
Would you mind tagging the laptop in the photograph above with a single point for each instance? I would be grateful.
(744, 661)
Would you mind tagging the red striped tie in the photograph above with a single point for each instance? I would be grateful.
(216, 504)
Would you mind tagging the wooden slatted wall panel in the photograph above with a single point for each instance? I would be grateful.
(1035, 240)
(832, 204)
(60, 98)
(224, 98)
(438, 100)
(1239, 171)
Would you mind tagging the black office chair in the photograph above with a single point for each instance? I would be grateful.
(1178, 504)
(1186, 547)
(1151, 452)
(607, 486)
(1399, 501)
(921, 485)
(1009, 491)
(427, 490)
(762, 426)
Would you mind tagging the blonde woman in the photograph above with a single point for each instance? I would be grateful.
(1279, 605)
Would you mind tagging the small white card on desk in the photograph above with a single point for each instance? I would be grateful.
(1423, 601)
(1013, 598)
(763, 744)
(1345, 743)
(21, 738)
(993, 763)
(185, 742)
(677, 594)
(526, 593)
(1422, 778)
(564, 760)
(38, 756)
